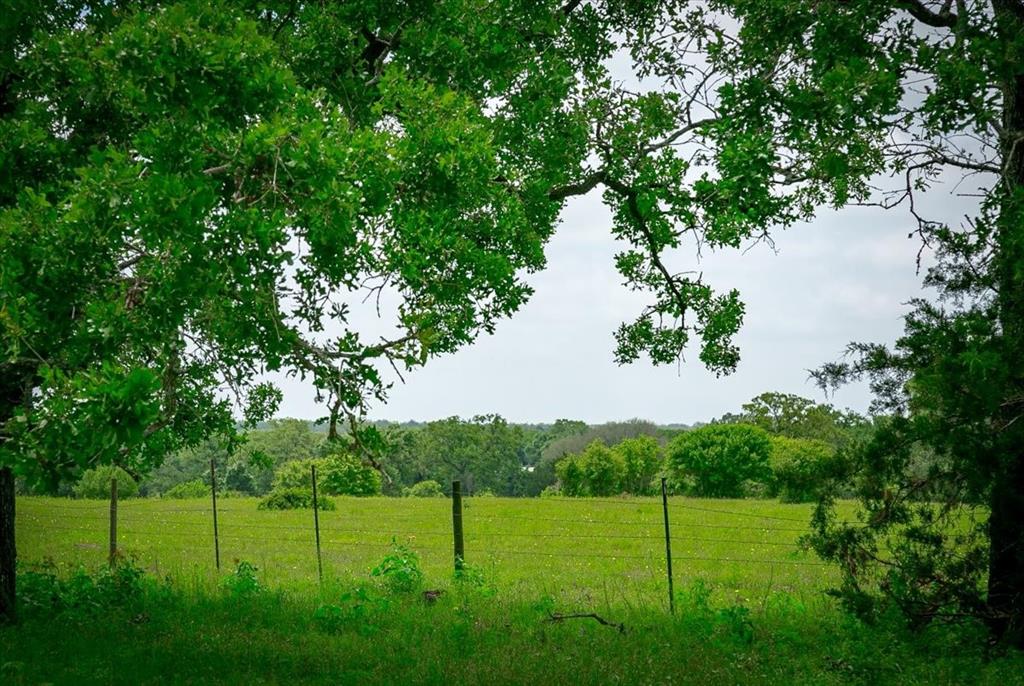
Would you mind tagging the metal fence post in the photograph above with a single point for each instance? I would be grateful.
(316, 525)
(460, 549)
(113, 520)
(216, 533)
(668, 547)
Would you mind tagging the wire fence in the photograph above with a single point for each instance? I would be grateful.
(630, 531)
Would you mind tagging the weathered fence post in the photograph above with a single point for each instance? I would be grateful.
(216, 533)
(113, 521)
(316, 525)
(460, 549)
(668, 547)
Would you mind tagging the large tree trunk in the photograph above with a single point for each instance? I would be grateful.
(8, 551)
(1006, 523)
(12, 394)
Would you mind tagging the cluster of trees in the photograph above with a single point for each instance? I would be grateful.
(629, 466)
(778, 445)
(486, 453)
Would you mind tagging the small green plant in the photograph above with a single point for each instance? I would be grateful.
(358, 610)
(294, 499)
(735, 625)
(472, 577)
(243, 582)
(81, 594)
(400, 570)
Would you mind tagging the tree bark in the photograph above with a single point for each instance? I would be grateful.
(1006, 520)
(8, 551)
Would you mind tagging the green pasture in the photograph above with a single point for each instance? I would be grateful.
(750, 604)
(610, 549)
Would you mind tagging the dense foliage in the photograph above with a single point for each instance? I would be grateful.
(800, 468)
(294, 499)
(629, 466)
(189, 489)
(424, 489)
(720, 460)
(95, 483)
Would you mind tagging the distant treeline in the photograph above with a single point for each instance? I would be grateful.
(775, 445)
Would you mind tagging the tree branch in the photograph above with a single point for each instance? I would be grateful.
(589, 183)
(941, 19)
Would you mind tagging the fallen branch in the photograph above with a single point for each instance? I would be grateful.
(557, 617)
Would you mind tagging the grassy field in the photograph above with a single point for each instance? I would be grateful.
(614, 548)
(751, 606)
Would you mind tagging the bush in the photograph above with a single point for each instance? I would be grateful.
(424, 489)
(798, 468)
(294, 499)
(641, 461)
(552, 491)
(338, 474)
(95, 483)
(84, 595)
(295, 475)
(718, 461)
(189, 489)
(345, 474)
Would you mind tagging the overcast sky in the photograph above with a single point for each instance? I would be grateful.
(845, 276)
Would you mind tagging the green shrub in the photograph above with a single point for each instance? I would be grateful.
(345, 474)
(337, 474)
(798, 466)
(719, 460)
(295, 475)
(84, 595)
(424, 489)
(189, 489)
(294, 499)
(552, 491)
(95, 483)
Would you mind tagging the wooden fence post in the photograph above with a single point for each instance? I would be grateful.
(113, 521)
(668, 547)
(316, 525)
(216, 533)
(460, 549)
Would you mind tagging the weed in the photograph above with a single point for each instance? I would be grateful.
(243, 582)
(400, 570)
(359, 610)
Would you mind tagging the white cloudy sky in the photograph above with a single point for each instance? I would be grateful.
(845, 276)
